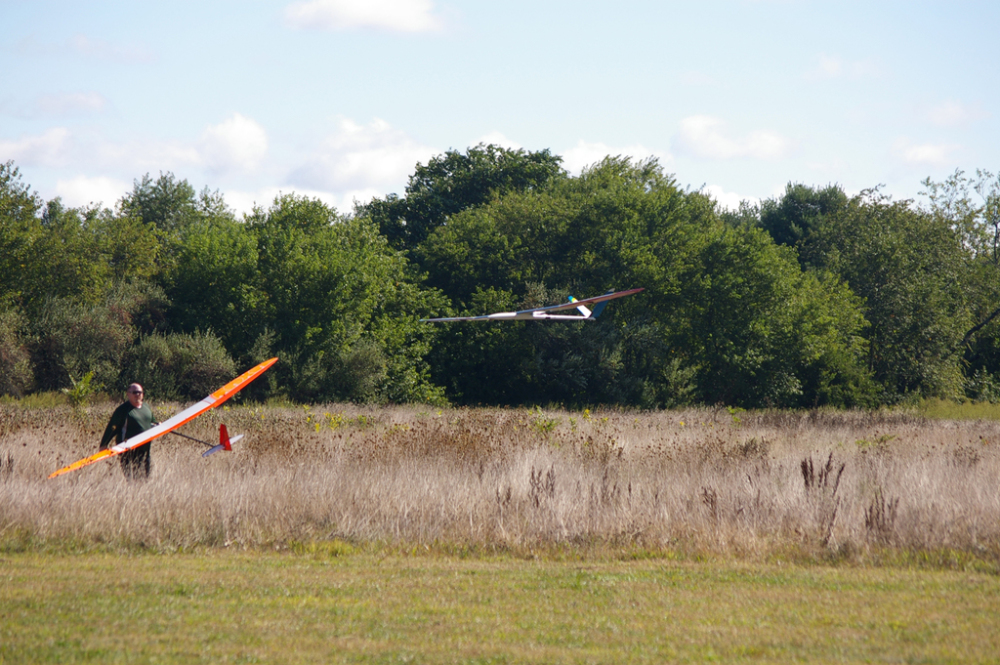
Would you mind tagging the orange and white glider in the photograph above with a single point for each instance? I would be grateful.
(187, 415)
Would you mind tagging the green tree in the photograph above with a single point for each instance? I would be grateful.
(16, 375)
(63, 261)
(50, 251)
(341, 305)
(482, 364)
(19, 229)
(619, 223)
(794, 217)
(214, 283)
(727, 316)
(71, 339)
(910, 269)
(70, 261)
(953, 201)
(166, 203)
(589, 234)
(530, 363)
(454, 182)
(763, 333)
(970, 205)
(127, 246)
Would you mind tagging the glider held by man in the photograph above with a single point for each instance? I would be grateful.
(185, 416)
(548, 313)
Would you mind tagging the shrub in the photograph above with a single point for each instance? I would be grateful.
(70, 339)
(16, 376)
(82, 390)
(151, 362)
(983, 387)
(354, 374)
(204, 363)
(178, 366)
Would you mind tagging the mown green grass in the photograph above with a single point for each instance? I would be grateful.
(943, 409)
(335, 605)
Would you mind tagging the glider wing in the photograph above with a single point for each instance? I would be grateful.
(537, 313)
(169, 425)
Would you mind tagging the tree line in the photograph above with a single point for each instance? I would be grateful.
(811, 298)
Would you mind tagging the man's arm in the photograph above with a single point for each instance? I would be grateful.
(114, 424)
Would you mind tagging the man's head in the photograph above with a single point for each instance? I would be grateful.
(135, 395)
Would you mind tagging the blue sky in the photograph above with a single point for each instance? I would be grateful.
(339, 99)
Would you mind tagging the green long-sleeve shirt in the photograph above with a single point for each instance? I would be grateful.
(126, 422)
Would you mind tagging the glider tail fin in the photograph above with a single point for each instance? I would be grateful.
(225, 443)
(591, 313)
(598, 308)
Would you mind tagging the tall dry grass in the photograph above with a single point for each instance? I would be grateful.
(695, 481)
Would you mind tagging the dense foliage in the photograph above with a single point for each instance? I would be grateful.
(812, 298)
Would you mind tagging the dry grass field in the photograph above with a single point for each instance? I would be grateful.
(812, 486)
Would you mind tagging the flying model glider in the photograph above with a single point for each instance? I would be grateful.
(539, 313)
(185, 416)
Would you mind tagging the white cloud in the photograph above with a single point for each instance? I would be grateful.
(835, 67)
(391, 15)
(726, 199)
(832, 168)
(706, 137)
(585, 154)
(951, 113)
(83, 190)
(139, 156)
(52, 149)
(236, 144)
(926, 154)
(496, 138)
(243, 202)
(361, 157)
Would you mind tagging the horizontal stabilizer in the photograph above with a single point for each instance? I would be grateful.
(225, 443)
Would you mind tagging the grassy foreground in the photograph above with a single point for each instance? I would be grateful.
(335, 605)
(844, 486)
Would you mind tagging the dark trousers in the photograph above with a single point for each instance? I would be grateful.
(136, 463)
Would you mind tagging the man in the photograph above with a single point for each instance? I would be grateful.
(129, 419)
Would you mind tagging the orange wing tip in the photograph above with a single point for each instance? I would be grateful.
(84, 462)
(234, 386)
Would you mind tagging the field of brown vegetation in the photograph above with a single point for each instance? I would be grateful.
(852, 486)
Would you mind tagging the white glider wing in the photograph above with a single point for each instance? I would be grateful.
(169, 425)
(551, 312)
